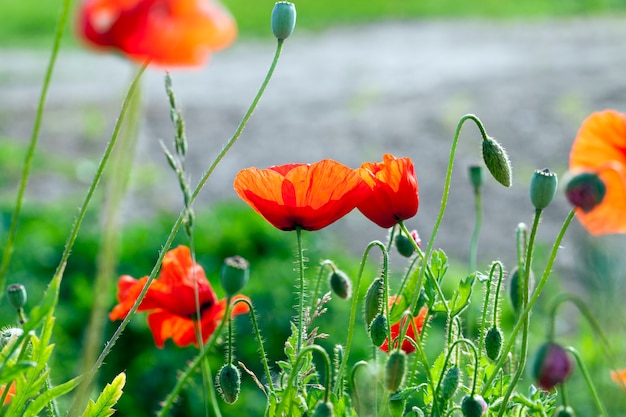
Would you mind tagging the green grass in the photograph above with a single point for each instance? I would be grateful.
(31, 23)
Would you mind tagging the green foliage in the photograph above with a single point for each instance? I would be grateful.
(103, 406)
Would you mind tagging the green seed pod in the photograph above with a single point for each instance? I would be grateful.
(374, 300)
(543, 187)
(17, 295)
(324, 409)
(379, 329)
(340, 284)
(404, 245)
(283, 19)
(394, 370)
(234, 274)
(493, 343)
(450, 383)
(585, 191)
(476, 176)
(229, 383)
(564, 411)
(497, 161)
(515, 288)
(473, 406)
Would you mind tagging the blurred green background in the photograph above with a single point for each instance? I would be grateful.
(231, 228)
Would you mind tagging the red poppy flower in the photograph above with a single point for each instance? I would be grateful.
(310, 196)
(170, 300)
(10, 394)
(166, 32)
(414, 328)
(393, 187)
(600, 147)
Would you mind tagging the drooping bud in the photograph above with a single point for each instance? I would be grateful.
(552, 366)
(450, 383)
(585, 191)
(493, 343)
(564, 411)
(497, 161)
(394, 370)
(476, 176)
(17, 295)
(379, 330)
(516, 286)
(543, 187)
(340, 284)
(324, 409)
(374, 299)
(404, 245)
(473, 406)
(283, 19)
(234, 274)
(229, 383)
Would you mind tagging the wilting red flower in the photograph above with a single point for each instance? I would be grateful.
(309, 196)
(600, 148)
(415, 328)
(10, 394)
(167, 32)
(393, 186)
(170, 300)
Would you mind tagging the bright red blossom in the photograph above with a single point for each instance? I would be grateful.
(415, 328)
(393, 190)
(170, 300)
(600, 148)
(309, 196)
(169, 33)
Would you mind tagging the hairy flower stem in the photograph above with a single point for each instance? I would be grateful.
(542, 282)
(318, 281)
(301, 288)
(590, 385)
(473, 248)
(494, 321)
(255, 326)
(34, 138)
(355, 299)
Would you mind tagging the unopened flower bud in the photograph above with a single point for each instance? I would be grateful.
(283, 19)
(340, 284)
(497, 161)
(552, 366)
(404, 245)
(564, 411)
(374, 299)
(585, 191)
(543, 187)
(229, 383)
(476, 176)
(493, 343)
(234, 274)
(473, 406)
(379, 330)
(17, 295)
(395, 369)
(516, 286)
(450, 383)
(324, 409)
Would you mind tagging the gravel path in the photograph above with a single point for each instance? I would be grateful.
(350, 94)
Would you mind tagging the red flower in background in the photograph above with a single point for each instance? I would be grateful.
(393, 186)
(310, 196)
(10, 394)
(600, 148)
(415, 328)
(167, 32)
(170, 300)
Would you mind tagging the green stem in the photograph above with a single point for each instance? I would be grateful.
(355, 390)
(255, 325)
(473, 250)
(10, 242)
(318, 281)
(301, 284)
(590, 384)
(481, 337)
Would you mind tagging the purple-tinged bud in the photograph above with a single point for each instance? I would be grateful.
(543, 187)
(283, 19)
(552, 366)
(473, 406)
(585, 191)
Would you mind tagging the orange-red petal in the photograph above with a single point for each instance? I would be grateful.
(10, 394)
(619, 377)
(600, 147)
(310, 196)
(416, 326)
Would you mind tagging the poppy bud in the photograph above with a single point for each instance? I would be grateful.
(564, 411)
(497, 161)
(450, 383)
(543, 188)
(17, 295)
(515, 288)
(404, 245)
(283, 19)
(340, 284)
(473, 406)
(552, 366)
(585, 191)
(476, 176)
(234, 274)
(394, 370)
(324, 409)
(229, 383)
(378, 330)
(493, 343)
(374, 299)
